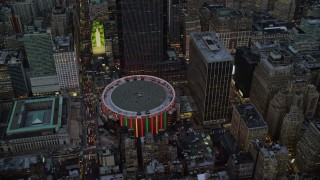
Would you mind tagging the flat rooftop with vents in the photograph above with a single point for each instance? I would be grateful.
(210, 47)
(250, 116)
(35, 114)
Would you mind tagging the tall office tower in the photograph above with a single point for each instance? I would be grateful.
(290, 132)
(232, 27)
(175, 22)
(284, 9)
(42, 73)
(209, 76)
(271, 75)
(26, 10)
(191, 23)
(265, 166)
(59, 21)
(245, 62)
(240, 166)
(247, 125)
(65, 58)
(308, 150)
(142, 30)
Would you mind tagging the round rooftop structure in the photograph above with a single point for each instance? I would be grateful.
(139, 97)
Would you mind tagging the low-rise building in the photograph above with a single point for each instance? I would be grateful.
(35, 125)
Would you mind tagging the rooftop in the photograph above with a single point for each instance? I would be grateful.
(62, 44)
(242, 158)
(138, 95)
(58, 10)
(187, 104)
(210, 47)
(35, 115)
(250, 116)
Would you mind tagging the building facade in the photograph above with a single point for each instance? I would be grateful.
(35, 125)
(240, 166)
(232, 27)
(59, 21)
(247, 125)
(65, 58)
(210, 76)
(245, 62)
(284, 10)
(308, 150)
(142, 39)
(271, 75)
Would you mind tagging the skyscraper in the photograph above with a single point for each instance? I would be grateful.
(65, 59)
(142, 34)
(42, 73)
(210, 76)
(271, 75)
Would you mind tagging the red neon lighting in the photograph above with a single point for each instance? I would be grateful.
(121, 123)
(141, 125)
(152, 125)
(161, 121)
(131, 123)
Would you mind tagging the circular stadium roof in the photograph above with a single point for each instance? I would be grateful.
(138, 95)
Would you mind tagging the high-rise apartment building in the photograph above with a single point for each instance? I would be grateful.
(59, 21)
(308, 150)
(42, 73)
(245, 62)
(247, 125)
(284, 9)
(271, 75)
(210, 76)
(65, 58)
(142, 34)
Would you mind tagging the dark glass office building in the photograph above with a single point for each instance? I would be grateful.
(142, 28)
(245, 63)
